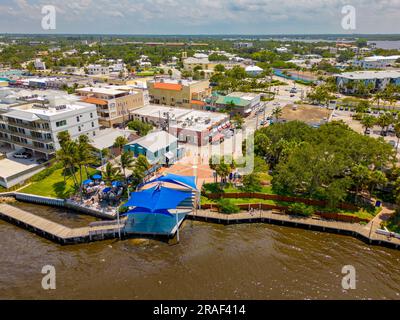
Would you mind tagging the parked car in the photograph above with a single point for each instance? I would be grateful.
(392, 143)
(42, 160)
(368, 131)
(22, 155)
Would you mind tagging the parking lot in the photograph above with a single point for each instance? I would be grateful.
(375, 132)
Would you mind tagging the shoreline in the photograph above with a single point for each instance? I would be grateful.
(368, 233)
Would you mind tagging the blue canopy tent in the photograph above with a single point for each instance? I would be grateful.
(185, 181)
(145, 210)
(158, 200)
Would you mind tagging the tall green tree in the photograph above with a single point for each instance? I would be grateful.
(120, 142)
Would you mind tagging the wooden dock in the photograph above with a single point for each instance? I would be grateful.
(367, 233)
(57, 232)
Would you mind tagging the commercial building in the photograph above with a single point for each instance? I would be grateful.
(39, 64)
(376, 62)
(98, 69)
(179, 93)
(189, 64)
(347, 81)
(189, 126)
(240, 45)
(242, 103)
(114, 103)
(34, 126)
(158, 147)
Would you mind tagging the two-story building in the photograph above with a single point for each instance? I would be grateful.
(179, 93)
(158, 147)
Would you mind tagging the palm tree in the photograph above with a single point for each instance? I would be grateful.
(111, 173)
(385, 120)
(63, 137)
(377, 98)
(105, 155)
(277, 113)
(68, 156)
(120, 142)
(140, 169)
(368, 122)
(126, 162)
(397, 132)
(213, 162)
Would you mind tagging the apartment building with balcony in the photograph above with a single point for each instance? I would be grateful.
(113, 103)
(347, 82)
(179, 93)
(34, 126)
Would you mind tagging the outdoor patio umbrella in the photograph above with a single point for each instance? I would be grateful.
(88, 181)
(96, 177)
(116, 184)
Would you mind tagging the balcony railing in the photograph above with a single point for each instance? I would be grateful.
(25, 126)
(28, 146)
(26, 136)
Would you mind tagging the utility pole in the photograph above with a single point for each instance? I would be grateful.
(257, 122)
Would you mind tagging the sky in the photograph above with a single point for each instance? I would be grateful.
(200, 16)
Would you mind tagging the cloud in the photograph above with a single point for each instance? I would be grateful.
(200, 16)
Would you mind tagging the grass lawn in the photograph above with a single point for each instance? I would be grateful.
(362, 213)
(54, 186)
(2, 189)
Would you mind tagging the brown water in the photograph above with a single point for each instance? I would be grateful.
(212, 262)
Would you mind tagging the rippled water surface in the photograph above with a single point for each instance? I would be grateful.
(212, 262)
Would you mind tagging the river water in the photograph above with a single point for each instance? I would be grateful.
(256, 261)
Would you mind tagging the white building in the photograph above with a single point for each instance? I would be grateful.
(282, 50)
(376, 62)
(347, 81)
(98, 69)
(34, 126)
(254, 70)
(239, 45)
(189, 126)
(39, 64)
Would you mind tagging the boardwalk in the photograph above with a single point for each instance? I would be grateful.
(366, 233)
(55, 231)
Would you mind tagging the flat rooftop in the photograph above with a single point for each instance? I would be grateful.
(105, 138)
(244, 95)
(365, 75)
(34, 111)
(183, 82)
(102, 90)
(183, 118)
(9, 167)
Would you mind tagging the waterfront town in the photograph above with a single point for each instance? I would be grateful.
(145, 135)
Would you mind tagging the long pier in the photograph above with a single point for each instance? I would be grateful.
(57, 232)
